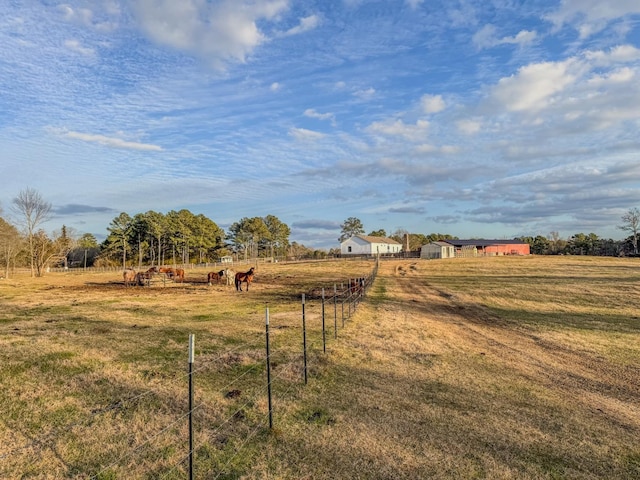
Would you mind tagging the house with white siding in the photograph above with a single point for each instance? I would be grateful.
(366, 245)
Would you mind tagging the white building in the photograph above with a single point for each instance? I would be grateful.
(365, 245)
(438, 250)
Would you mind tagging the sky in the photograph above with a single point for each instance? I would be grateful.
(475, 118)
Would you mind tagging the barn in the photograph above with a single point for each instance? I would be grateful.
(437, 250)
(483, 247)
(367, 245)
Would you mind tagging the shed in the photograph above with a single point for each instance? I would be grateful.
(437, 250)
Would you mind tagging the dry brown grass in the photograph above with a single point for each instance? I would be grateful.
(498, 367)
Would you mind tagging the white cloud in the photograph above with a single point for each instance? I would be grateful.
(432, 103)
(414, 3)
(74, 46)
(533, 87)
(311, 113)
(220, 31)
(302, 134)
(112, 141)
(275, 86)
(487, 37)
(306, 24)
(591, 16)
(618, 54)
(468, 127)
(365, 94)
(397, 128)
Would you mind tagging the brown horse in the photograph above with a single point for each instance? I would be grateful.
(129, 277)
(211, 276)
(168, 271)
(178, 275)
(246, 277)
(173, 273)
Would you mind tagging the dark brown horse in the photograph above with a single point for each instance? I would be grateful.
(246, 277)
(217, 276)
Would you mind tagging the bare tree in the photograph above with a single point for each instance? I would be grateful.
(10, 244)
(631, 224)
(32, 210)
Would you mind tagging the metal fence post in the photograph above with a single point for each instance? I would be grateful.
(191, 354)
(335, 311)
(324, 335)
(304, 341)
(268, 369)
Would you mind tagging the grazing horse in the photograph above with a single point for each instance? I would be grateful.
(230, 275)
(245, 277)
(129, 277)
(211, 276)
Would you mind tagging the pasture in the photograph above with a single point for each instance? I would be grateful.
(498, 368)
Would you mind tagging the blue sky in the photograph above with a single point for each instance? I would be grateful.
(487, 118)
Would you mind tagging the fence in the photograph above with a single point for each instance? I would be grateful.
(249, 402)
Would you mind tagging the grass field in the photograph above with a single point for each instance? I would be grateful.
(497, 368)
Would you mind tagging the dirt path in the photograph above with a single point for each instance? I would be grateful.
(434, 385)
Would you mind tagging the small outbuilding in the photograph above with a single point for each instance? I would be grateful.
(437, 250)
(367, 245)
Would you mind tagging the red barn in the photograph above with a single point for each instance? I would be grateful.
(492, 247)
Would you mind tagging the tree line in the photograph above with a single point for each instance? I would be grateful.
(553, 244)
(150, 238)
(181, 237)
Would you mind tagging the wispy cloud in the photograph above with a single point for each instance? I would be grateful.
(487, 37)
(302, 134)
(306, 24)
(112, 141)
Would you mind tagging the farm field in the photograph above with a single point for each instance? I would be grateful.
(497, 368)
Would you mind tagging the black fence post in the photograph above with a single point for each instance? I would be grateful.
(268, 369)
(304, 341)
(191, 353)
(335, 311)
(324, 335)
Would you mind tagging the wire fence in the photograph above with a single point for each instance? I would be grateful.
(209, 437)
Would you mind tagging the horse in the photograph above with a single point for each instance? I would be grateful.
(174, 273)
(129, 276)
(230, 275)
(168, 271)
(178, 274)
(144, 278)
(245, 277)
(211, 276)
(152, 271)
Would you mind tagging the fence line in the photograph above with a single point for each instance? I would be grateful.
(352, 294)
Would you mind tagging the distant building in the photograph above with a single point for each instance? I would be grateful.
(366, 245)
(481, 247)
(438, 250)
